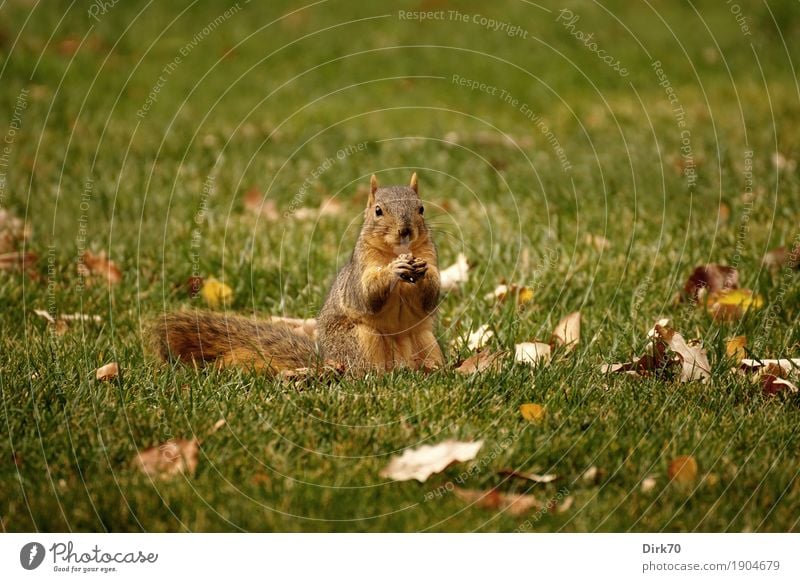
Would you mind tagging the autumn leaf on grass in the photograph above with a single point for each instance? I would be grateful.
(534, 477)
(532, 353)
(513, 503)
(735, 348)
(13, 231)
(732, 304)
(426, 460)
(568, 331)
(532, 412)
(773, 375)
(503, 291)
(709, 279)
(694, 361)
(779, 258)
(481, 362)
(478, 338)
(216, 293)
(107, 372)
(99, 266)
(165, 461)
(256, 203)
(683, 470)
(455, 275)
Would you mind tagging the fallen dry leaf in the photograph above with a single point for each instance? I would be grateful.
(216, 293)
(569, 500)
(772, 385)
(169, 459)
(599, 242)
(568, 331)
(455, 275)
(779, 257)
(502, 292)
(648, 484)
(513, 503)
(593, 475)
(683, 470)
(18, 260)
(107, 372)
(786, 365)
(694, 361)
(99, 265)
(481, 362)
(13, 231)
(532, 353)
(735, 348)
(534, 477)
(480, 337)
(532, 412)
(710, 279)
(426, 460)
(732, 304)
(255, 202)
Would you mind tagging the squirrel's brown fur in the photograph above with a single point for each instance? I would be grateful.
(379, 314)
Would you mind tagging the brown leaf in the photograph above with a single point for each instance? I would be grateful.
(13, 231)
(514, 503)
(683, 470)
(255, 202)
(107, 372)
(23, 261)
(694, 361)
(710, 279)
(481, 362)
(568, 331)
(779, 257)
(735, 348)
(426, 460)
(772, 385)
(100, 266)
(165, 461)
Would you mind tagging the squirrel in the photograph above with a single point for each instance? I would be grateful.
(379, 314)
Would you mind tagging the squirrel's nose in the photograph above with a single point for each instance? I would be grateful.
(405, 232)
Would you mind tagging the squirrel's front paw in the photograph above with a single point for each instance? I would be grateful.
(408, 268)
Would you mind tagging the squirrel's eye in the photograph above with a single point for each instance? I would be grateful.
(422, 210)
(378, 211)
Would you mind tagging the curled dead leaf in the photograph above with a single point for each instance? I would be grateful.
(455, 275)
(568, 331)
(710, 279)
(168, 459)
(683, 470)
(534, 477)
(532, 353)
(481, 362)
(735, 348)
(426, 460)
(513, 503)
(99, 266)
(108, 372)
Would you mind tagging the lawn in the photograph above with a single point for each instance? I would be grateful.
(597, 171)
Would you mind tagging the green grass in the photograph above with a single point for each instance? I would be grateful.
(263, 102)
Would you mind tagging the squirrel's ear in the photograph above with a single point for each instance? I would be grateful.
(373, 187)
(413, 183)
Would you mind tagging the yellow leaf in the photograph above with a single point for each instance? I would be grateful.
(216, 292)
(532, 412)
(734, 347)
(683, 470)
(525, 295)
(731, 304)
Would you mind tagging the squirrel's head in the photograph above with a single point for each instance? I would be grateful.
(394, 217)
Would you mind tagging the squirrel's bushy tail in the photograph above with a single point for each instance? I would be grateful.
(224, 340)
